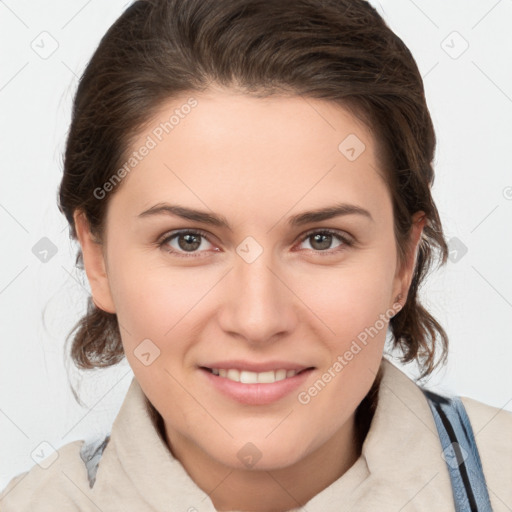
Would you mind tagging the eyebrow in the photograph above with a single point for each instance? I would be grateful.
(220, 221)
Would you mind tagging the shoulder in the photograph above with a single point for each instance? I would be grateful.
(492, 429)
(486, 417)
(59, 482)
(492, 426)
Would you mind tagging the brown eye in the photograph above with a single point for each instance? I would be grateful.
(321, 241)
(186, 242)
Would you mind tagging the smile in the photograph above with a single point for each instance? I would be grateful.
(255, 388)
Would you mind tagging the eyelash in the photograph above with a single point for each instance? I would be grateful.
(347, 242)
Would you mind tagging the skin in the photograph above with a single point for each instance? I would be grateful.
(256, 162)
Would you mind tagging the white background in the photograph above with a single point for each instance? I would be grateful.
(470, 98)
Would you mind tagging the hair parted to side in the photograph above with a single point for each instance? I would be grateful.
(337, 50)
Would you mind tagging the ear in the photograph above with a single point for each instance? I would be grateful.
(94, 264)
(404, 275)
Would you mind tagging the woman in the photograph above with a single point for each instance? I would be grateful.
(249, 182)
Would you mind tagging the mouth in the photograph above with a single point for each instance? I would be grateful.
(256, 388)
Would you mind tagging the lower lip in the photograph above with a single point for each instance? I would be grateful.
(258, 393)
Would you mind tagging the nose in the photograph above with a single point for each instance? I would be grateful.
(258, 305)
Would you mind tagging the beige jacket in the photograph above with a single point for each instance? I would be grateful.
(400, 468)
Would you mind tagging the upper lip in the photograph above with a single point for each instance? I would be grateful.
(256, 367)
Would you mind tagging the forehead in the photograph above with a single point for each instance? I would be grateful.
(222, 147)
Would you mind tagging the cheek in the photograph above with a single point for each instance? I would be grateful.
(349, 298)
(157, 301)
(148, 299)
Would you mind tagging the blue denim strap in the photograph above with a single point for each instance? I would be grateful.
(91, 454)
(460, 453)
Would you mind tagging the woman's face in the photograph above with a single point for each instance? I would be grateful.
(251, 280)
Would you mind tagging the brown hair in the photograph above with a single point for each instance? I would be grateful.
(337, 50)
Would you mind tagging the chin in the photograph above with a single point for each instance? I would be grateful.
(261, 455)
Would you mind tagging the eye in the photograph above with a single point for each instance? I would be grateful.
(321, 240)
(188, 241)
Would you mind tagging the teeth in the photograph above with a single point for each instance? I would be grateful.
(233, 375)
(246, 377)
